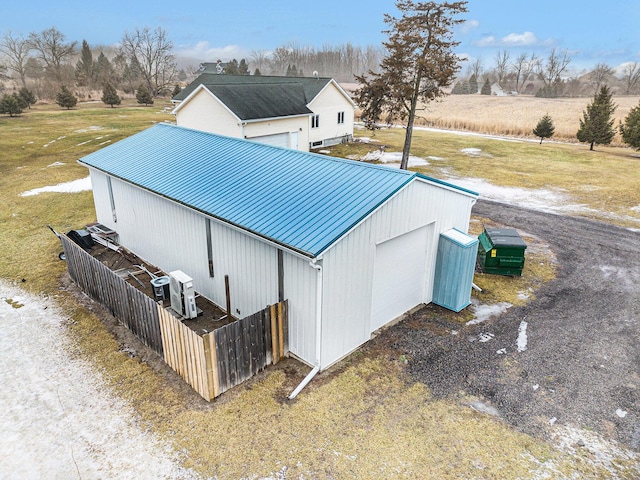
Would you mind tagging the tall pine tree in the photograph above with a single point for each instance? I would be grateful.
(66, 99)
(630, 129)
(84, 66)
(596, 124)
(419, 65)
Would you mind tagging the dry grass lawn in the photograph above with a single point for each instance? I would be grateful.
(362, 419)
(516, 116)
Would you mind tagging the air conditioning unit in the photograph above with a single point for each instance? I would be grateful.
(183, 296)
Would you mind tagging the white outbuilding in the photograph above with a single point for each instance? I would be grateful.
(350, 245)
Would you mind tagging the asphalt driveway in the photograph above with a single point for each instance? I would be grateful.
(580, 365)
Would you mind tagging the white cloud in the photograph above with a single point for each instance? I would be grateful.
(469, 25)
(203, 50)
(512, 40)
(520, 39)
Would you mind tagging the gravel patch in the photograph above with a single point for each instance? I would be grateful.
(569, 358)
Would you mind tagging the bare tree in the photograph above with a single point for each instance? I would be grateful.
(600, 74)
(551, 71)
(16, 49)
(259, 59)
(152, 51)
(52, 49)
(631, 76)
(523, 67)
(502, 66)
(476, 68)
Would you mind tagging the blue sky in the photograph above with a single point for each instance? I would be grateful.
(591, 31)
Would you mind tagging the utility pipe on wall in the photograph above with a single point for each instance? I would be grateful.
(316, 369)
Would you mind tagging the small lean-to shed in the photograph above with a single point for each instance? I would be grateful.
(350, 245)
(455, 265)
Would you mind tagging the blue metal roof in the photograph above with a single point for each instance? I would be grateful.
(301, 200)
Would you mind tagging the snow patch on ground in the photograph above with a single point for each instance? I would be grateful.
(542, 199)
(74, 186)
(89, 129)
(483, 312)
(475, 152)
(58, 419)
(55, 164)
(393, 158)
(597, 450)
(522, 336)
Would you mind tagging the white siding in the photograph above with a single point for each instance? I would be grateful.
(349, 264)
(327, 104)
(205, 112)
(173, 237)
(300, 289)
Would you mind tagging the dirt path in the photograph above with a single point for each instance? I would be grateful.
(571, 356)
(56, 420)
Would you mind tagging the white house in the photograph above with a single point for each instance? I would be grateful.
(293, 112)
(350, 245)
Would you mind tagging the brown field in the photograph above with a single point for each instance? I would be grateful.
(514, 116)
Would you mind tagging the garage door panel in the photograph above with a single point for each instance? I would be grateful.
(276, 140)
(400, 274)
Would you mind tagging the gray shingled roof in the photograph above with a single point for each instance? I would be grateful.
(310, 85)
(251, 102)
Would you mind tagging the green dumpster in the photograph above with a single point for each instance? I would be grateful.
(501, 251)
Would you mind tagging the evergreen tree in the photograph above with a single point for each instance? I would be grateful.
(110, 95)
(66, 99)
(22, 103)
(28, 96)
(257, 72)
(288, 70)
(143, 95)
(84, 66)
(243, 68)
(232, 68)
(544, 128)
(457, 89)
(486, 87)
(596, 126)
(630, 129)
(466, 88)
(103, 70)
(473, 84)
(176, 90)
(9, 105)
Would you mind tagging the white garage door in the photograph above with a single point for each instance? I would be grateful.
(400, 275)
(277, 140)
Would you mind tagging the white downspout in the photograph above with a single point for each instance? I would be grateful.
(316, 369)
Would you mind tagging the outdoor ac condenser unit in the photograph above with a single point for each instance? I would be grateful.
(183, 296)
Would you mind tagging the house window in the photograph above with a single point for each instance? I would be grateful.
(340, 117)
(315, 121)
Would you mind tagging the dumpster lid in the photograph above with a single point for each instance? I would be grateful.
(505, 237)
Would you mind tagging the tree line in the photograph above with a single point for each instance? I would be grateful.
(45, 61)
(544, 77)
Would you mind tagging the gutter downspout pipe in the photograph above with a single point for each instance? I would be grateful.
(316, 369)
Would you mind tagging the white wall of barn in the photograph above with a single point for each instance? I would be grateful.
(173, 237)
(349, 264)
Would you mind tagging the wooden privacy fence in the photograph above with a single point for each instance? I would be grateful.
(137, 311)
(215, 362)
(212, 363)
